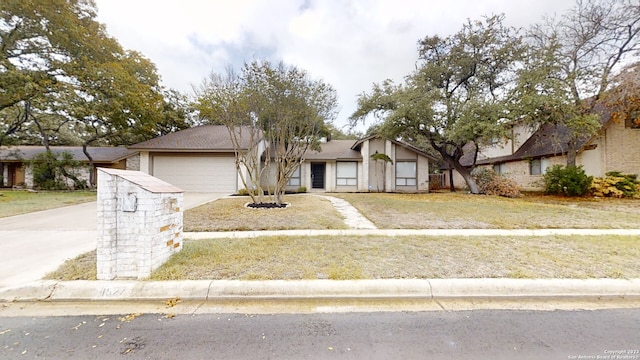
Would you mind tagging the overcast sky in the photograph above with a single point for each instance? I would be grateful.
(349, 44)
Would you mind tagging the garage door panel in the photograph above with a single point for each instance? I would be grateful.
(197, 173)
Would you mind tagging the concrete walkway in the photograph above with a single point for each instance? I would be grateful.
(352, 217)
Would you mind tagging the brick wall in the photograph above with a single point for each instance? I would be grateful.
(139, 223)
(622, 149)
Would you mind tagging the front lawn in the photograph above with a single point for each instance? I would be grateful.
(466, 211)
(16, 202)
(380, 257)
(304, 212)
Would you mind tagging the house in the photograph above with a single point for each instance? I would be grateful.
(527, 154)
(202, 159)
(16, 171)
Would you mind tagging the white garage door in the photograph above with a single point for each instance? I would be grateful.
(197, 173)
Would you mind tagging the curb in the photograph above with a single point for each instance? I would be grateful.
(212, 290)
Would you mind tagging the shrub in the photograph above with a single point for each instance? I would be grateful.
(52, 171)
(568, 181)
(302, 189)
(491, 183)
(616, 184)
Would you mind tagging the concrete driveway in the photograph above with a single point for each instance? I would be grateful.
(34, 244)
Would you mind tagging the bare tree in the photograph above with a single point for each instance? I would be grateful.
(583, 49)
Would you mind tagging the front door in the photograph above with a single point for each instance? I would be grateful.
(317, 175)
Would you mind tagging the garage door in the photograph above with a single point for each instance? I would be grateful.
(197, 173)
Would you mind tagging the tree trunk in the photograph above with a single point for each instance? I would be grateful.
(451, 185)
(572, 152)
(466, 175)
(463, 171)
(92, 176)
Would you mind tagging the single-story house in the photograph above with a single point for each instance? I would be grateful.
(16, 171)
(527, 154)
(202, 159)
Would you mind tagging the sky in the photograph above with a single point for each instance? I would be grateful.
(350, 44)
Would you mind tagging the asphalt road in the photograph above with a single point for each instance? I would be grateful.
(485, 334)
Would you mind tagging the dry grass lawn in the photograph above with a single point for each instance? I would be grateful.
(379, 257)
(16, 202)
(304, 212)
(466, 211)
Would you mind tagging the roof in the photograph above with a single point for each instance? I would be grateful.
(549, 140)
(106, 154)
(334, 150)
(144, 180)
(210, 138)
(403, 144)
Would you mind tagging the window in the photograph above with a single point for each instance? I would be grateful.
(295, 178)
(347, 174)
(498, 168)
(406, 173)
(535, 167)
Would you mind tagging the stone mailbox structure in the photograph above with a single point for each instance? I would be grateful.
(139, 223)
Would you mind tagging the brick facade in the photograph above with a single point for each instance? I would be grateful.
(139, 224)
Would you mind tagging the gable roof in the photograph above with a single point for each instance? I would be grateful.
(403, 144)
(99, 154)
(210, 138)
(335, 150)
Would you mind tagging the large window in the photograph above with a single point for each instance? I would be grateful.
(406, 173)
(499, 168)
(295, 178)
(535, 167)
(347, 173)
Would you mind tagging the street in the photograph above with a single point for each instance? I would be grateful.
(479, 334)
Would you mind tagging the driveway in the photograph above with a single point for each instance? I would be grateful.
(34, 244)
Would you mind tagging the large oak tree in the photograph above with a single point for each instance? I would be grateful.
(459, 94)
(64, 80)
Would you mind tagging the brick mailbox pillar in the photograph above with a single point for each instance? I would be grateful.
(139, 223)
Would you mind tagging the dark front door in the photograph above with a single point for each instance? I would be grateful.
(317, 175)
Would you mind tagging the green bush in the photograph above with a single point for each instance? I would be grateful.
(302, 189)
(568, 181)
(491, 183)
(616, 184)
(51, 171)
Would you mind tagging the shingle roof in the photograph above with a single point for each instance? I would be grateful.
(209, 138)
(358, 143)
(335, 150)
(548, 140)
(99, 154)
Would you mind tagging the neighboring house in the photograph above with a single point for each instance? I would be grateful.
(202, 159)
(526, 155)
(16, 171)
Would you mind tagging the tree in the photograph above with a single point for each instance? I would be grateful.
(279, 104)
(576, 57)
(64, 80)
(459, 94)
(624, 98)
